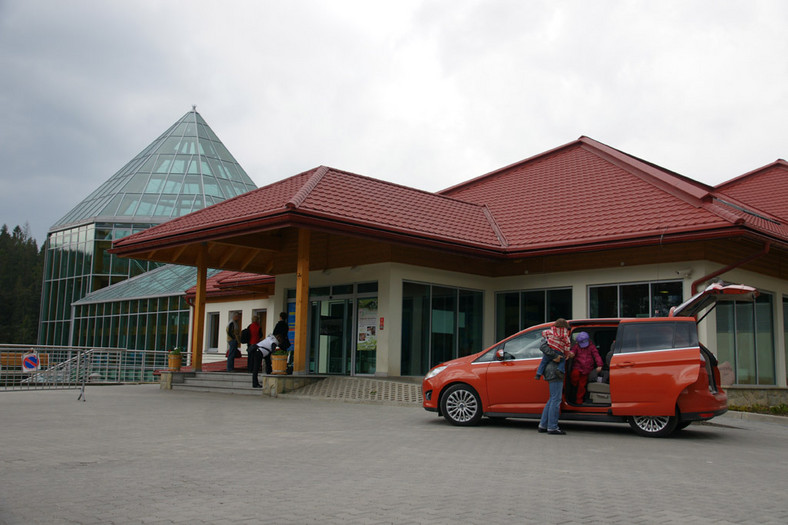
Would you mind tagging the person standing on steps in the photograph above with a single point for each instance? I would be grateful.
(254, 337)
(233, 341)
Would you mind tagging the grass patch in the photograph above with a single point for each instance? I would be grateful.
(775, 410)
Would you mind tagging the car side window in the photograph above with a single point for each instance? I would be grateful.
(525, 346)
(642, 337)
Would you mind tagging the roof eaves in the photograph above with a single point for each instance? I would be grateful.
(627, 241)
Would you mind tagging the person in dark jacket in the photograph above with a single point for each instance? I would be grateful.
(280, 331)
(254, 337)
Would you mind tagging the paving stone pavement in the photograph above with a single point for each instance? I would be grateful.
(137, 454)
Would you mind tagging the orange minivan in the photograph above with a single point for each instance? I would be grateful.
(656, 375)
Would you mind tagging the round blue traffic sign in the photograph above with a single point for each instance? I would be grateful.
(30, 362)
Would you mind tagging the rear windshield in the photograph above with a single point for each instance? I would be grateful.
(641, 337)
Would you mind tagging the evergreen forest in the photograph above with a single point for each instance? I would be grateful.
(21, 266)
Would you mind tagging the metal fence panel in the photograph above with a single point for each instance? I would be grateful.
(72, 367)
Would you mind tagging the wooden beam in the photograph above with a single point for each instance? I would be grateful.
(247, 247)
(228, 254)
(253, 254)
(302, 302)
(199, 310)
(178, 252)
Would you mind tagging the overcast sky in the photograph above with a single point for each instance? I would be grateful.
(422, 93)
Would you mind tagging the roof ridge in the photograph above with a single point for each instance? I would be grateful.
(744, 207)
(494, 226)
(307, 188)
(676, 184)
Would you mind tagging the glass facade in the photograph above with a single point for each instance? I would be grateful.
(147, 312)
(745, 340)
(517, 310)
(76, 263)
(785, 332)
(438, 323)
(648, 299)
(187, 168)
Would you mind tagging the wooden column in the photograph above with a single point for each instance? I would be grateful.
(198, 326)
(302, 302)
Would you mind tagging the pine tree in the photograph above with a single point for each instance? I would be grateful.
(21, 267)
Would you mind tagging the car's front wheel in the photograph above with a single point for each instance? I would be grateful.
(653, 426)
(461, 405)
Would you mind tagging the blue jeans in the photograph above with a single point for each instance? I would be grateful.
(233, 345)
(552, 409)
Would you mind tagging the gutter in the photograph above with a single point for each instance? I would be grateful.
(730, 267)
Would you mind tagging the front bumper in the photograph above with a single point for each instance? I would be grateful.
(429, 395)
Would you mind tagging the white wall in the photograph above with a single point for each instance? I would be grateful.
(224, 308)
(391, 275)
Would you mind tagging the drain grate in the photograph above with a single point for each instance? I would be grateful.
(361, 389)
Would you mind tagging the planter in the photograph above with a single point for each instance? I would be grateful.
(279, 364)
(174, 362)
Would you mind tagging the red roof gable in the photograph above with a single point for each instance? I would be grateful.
(347, 201)
(764, 188)
(586, 192)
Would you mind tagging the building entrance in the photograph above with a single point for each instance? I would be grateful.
(330, 345)
(341, 328)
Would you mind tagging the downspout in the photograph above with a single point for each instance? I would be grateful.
(730, 267)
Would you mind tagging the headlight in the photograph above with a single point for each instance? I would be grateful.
(435, 371)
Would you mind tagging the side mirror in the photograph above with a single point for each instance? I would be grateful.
(500, 355)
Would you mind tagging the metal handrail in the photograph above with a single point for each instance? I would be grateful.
(73, 367)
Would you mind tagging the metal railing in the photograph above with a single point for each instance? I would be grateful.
(72, 367)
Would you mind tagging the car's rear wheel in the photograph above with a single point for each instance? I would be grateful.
(460, 405)
(653, 426)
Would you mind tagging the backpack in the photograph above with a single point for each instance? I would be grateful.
(245, 336)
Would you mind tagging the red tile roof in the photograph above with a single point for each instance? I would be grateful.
(583, 193)
(231, 283)
(764, 188)
(347, 201)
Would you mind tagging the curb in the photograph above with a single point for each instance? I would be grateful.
(751, 416)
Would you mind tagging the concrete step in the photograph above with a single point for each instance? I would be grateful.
(224, 390)
(220, 382)
(236, 382)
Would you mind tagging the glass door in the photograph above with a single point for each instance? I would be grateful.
(330, 348)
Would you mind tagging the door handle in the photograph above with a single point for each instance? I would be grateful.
(626, 364)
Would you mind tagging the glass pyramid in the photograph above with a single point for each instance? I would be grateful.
(186, 169)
